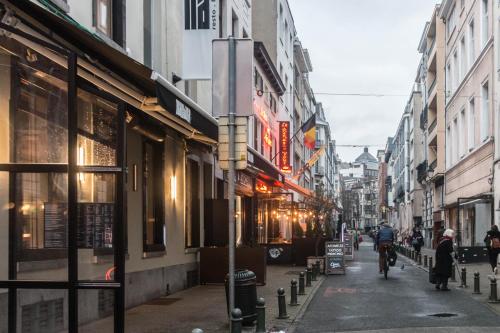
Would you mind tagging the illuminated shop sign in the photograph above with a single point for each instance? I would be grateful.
(267, 136)
(284, 146)
(262, 187)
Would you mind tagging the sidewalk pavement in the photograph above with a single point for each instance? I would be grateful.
(484, 270)
(204, 307)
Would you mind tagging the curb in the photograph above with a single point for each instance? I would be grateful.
(305, 305)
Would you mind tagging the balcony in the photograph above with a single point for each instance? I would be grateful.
(431, 47)
(423, 118)
(431, 87)
(433, 165)
(421, 171)
(432, 126)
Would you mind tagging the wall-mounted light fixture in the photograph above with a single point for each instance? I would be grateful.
(173, 187)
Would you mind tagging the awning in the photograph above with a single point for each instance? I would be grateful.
(257, 161)
(180, 105)
(299, 189)
(123, 77)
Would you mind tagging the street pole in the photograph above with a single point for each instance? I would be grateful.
(231, 173)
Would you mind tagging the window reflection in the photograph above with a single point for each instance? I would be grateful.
(33, 106)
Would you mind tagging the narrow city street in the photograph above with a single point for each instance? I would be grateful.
(362, 300)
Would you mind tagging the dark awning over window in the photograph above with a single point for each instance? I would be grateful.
(182, 109)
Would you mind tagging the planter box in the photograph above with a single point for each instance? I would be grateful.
(305, 247)
(214, 262)
(312, 260)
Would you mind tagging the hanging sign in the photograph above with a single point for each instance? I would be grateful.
(284, 146)
(201, 26)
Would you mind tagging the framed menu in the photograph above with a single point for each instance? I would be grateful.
(95, 225)
(55, 222)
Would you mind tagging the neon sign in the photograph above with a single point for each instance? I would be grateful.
(284, 146)
(261, 187)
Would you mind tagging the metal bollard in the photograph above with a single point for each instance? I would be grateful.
(453, 277)
(419, 256)
(314, 273)
(293, 293)
(308, 276)
(477, 289)
(493, 290)
(318, 267)
(236, 320)
(261, 316)
(464, 278)
(425, 260)
(302, 287)
(281, 304)
(430, 267)
(197, 330)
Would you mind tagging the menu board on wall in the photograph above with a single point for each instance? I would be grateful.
(55, 221)
(95, 225)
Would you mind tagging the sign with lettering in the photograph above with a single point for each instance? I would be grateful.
(201, 27)
(348, 247)
(334, 254)
(284, 146)
(182, 111)
(56, 219)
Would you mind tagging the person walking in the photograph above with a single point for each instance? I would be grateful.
(444, 260)
(492, 241)
(417, 240)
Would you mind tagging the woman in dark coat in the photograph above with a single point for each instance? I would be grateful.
(492, 241)
(444, 260)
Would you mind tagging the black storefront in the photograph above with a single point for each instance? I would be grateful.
(63, 163)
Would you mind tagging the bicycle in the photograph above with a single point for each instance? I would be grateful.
(385, 258)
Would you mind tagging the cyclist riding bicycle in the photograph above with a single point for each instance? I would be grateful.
(385, 239)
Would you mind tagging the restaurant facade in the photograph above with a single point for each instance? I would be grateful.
(104, 168)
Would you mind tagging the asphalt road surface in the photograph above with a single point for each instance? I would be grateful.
(362, 300)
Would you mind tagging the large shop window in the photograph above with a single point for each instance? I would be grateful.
(153, 196)
(33, 154)
(192, 228)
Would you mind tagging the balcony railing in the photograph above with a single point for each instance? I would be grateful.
(422, 171)
(433, 165)
(433, 84)
(432, 126)
(423, 118)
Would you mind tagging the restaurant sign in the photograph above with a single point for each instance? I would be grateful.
(284, 146)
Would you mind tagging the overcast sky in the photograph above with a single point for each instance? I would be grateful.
(362, 46)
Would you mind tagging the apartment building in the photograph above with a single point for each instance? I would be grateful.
(470, 82)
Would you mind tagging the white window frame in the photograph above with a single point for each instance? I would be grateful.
(484, 21)
(462, 132)
(472, 47)
(463, 57)
(485, 114)
(471, 128)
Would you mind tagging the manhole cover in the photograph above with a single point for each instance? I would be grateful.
(163, 301)
(443, 315)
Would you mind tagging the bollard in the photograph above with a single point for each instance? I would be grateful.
(431, 268)
(463, 278)
(314, 273)
(236, 320)
(281, 304)
(308, 276)
(425, 260)
(477, 289)
(302, 289)
(261, 316)
(493, 290)
(419, 256)
(318, 267)
(293, 293)
(197, 330)
(453, 277)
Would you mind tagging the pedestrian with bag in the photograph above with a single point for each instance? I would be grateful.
(444, 260)
(492, 241)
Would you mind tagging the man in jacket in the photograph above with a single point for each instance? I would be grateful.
(385, 239)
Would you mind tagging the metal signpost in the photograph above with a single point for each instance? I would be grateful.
(232, 65)
(334, 255)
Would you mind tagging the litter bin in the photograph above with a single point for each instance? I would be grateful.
(245, 294)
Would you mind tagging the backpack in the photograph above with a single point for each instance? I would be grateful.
(495, 243)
